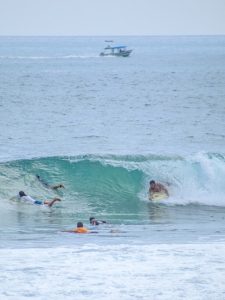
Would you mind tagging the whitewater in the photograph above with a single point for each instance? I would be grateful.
(105, 127)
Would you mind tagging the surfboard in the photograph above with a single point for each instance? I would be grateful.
(158, 196)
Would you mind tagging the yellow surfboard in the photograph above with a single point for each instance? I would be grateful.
(158, 196)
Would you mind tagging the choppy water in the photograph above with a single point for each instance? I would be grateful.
(59, 97)
(104, 127)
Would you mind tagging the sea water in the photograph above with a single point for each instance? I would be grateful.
(104, 127)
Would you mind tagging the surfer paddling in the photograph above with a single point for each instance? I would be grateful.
(28, 199)
(95, 222)
(47, 185)
(80, 229)
(156, 187)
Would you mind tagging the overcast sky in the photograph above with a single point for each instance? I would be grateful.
(112, 17)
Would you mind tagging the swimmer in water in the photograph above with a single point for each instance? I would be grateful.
(80, 229)
(28, 199)
(47, 185)
(95, 222)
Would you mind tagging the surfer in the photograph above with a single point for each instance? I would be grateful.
(47, 185)
(156, 187)
(95, 222)
(80, 229)
(29, 199)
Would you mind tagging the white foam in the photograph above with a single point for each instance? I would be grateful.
(178, 271)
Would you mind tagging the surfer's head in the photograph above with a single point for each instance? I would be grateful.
(21, 194)
(152, 183)
(80, 224)
(92, 220)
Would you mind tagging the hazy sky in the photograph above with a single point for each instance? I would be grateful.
(111, 17)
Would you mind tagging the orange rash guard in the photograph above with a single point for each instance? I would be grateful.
(81, 230)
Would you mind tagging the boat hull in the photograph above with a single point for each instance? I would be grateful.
(119, 54)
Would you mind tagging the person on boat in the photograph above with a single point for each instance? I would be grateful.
(47, 185)
(28, 199)
(156, 187)
(95, 222)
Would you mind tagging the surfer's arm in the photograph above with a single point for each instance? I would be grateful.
(150, 192)
(150, 195)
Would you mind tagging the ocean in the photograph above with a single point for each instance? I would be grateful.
(105, 127)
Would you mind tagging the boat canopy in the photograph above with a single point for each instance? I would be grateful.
(115, 47)
(118, 47)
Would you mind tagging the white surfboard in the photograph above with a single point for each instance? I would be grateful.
(157, 196)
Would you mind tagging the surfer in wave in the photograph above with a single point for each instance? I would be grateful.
(28, 199)
(47, 185)
(156, 187)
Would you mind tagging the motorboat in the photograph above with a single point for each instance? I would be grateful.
(116, 51)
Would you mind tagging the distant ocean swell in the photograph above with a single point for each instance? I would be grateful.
(117, 182)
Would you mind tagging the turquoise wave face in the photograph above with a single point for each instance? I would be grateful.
(115, 185)
(92, 186)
